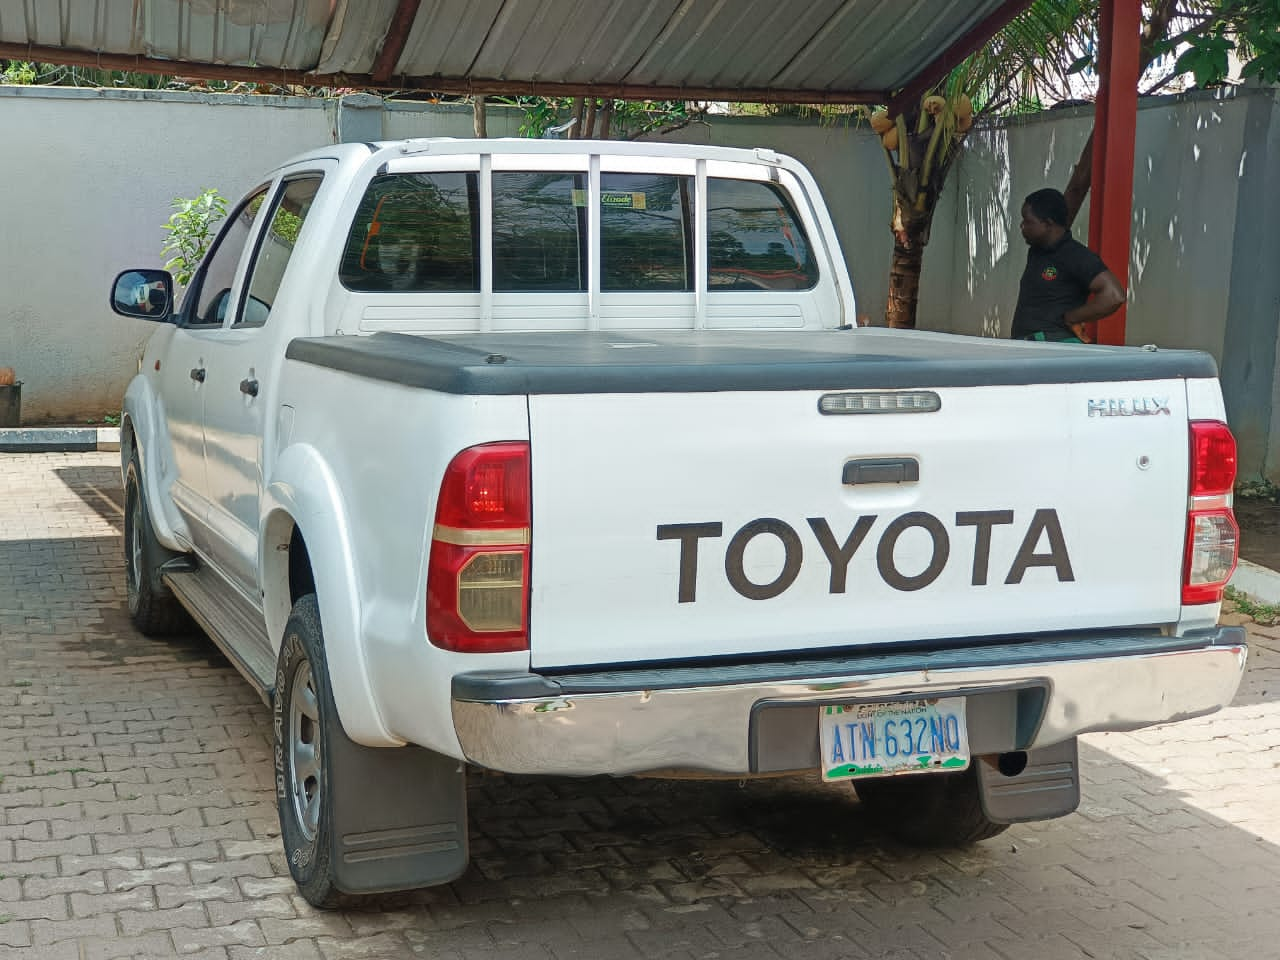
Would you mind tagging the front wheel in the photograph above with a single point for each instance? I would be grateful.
(930, 809)
(305, 720)
(154, 609)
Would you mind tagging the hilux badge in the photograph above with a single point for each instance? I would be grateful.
(1129, 406)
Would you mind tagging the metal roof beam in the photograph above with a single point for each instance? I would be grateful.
(457, 86)
(393, 43)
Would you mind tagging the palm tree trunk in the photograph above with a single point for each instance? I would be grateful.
(910, 236)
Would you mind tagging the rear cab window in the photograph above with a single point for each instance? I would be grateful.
(662, 249)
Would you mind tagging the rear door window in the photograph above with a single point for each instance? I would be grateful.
(754, 239)
(275, 248)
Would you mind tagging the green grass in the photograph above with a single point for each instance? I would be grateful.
(1263, 613)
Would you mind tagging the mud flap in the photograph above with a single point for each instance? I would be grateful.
(1048, 787)
(399, 817)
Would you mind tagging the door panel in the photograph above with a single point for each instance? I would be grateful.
(242, 360)
(183, 394)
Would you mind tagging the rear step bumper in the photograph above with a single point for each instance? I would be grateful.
(712, 718)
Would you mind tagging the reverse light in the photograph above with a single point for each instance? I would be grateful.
(478, 570)
(1213, 539)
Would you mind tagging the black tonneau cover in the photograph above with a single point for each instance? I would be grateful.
(707, 361)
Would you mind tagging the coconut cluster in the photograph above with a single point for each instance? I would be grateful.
(935, 106)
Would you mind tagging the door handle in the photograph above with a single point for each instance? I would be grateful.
(197, 374)
(878, 470)
(249, 387)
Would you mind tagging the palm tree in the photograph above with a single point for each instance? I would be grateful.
(921, 142)
(1045, 54)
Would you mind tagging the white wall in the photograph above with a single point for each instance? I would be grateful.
(85, 185)
(1183, 215)
(88, 176)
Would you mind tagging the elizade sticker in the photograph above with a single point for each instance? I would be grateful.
(611, 198)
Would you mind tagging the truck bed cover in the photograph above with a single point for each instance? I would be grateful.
(584, 362)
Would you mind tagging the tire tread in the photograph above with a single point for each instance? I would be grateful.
(930, 810)
(158, 612)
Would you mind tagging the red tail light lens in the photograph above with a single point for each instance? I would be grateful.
(486, 486)
(1213, 459)
(1213, 539)
(478, 570)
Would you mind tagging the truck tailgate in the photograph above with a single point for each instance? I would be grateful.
(675, 525)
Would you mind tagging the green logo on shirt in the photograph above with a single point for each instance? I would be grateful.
(1050, 273)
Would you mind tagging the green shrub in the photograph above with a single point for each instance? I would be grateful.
(191, 230)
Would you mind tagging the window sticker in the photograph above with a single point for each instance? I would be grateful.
(614, 199)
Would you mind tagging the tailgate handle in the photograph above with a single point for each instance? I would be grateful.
(893, 470)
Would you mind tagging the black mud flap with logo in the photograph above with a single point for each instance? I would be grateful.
(1045, 787)
(400, 817)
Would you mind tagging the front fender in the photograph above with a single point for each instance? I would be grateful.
(302, 492)
(144, 428)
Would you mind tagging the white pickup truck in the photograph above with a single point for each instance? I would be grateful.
(564, 458)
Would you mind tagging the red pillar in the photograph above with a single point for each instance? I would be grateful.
(1114, 128)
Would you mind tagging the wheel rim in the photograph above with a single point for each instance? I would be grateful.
(134, 545)
(304, 751)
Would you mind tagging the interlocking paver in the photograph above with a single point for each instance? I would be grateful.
(137, 819)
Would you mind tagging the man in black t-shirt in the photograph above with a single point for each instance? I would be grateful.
(1061, 273)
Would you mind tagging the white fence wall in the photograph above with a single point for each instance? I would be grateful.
(85, 185)
(87, 177)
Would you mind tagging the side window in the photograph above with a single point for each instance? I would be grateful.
(539, 232)
(276, 247)
(645, 232)
(754, 239)
(415, 232)
(213, 294)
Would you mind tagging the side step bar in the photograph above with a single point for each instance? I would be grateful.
(230, 621)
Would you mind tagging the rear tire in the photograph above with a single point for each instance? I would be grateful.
(154, 609)
(931, 809)
(305, 721)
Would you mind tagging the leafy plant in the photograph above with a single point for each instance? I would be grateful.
(1264, 614)
(19, 72)
(191, 228)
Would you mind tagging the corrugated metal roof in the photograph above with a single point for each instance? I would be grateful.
(729, 49)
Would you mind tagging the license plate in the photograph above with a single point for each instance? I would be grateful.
(876, 739)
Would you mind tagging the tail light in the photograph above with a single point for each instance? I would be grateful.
(1213, 539)
(478, 571)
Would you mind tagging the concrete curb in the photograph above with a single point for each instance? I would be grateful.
(58, 439)
(1262, 584)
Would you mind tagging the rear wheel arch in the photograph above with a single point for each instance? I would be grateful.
(304, 548)
(286, 569)
(128, 442)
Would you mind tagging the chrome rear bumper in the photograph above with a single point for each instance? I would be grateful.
(635, 720)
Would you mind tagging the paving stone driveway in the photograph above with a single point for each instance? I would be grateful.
(136, 819)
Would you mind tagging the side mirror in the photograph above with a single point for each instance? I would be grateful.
(145, 294)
